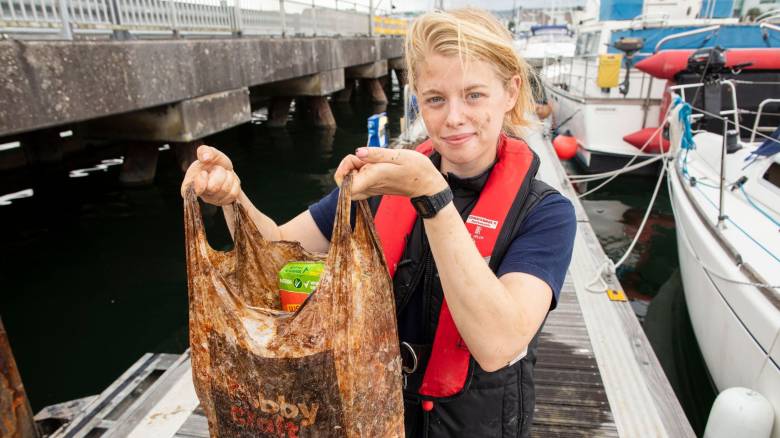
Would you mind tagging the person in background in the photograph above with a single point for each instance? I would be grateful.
(477, 247)
(542, 107)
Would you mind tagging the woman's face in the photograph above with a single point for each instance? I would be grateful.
(463, 106)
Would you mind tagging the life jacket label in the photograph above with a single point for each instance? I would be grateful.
(482, 222)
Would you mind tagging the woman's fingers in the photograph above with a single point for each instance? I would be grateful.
(383, 155)
(216, 179)
(348, 164)
(230, 190)
(210, 156)
(213, 181)
(200, 183)
(392, 172)
(190, 176)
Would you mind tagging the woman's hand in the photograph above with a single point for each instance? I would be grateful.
(212, 177)
(380, 171)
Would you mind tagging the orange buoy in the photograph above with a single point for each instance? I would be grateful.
(565, 146)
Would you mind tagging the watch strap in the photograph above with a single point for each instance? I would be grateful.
(428, 206)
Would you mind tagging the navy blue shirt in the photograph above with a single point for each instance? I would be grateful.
(543, 247)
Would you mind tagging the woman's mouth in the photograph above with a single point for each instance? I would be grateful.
(458, 138)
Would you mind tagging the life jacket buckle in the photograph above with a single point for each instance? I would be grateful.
(413, 368)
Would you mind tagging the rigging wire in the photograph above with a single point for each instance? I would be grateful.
(631, 161)
(701, 263)
(613, 266)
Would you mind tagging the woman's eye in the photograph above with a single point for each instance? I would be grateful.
(474, 95)
(435, 100)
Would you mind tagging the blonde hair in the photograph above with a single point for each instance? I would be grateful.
(471, 34)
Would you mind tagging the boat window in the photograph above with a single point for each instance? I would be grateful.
(773, 174)
(580, 48)
(588, 44)
(593, 43)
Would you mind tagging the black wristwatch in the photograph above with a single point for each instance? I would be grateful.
(428, 206)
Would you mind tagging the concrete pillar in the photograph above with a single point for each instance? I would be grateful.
(369, 75)
(278, 111)
(322, 116)
(400, 76)
(183, 121)
(364, 71)
(327, 138)
(345, 95)
(310, 93)
(16, 417)
(375, 90)
(398, 65)
(186, 153)
(140, 164)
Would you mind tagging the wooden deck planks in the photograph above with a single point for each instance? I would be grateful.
(570, 397)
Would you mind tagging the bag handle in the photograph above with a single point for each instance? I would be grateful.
(342, 229)
(364, 223)
(193, 224)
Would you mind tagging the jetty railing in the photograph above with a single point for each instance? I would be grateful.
(123, 19)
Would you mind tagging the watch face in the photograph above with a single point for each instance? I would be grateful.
(423, 207)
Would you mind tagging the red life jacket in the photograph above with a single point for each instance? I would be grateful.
(448, 366)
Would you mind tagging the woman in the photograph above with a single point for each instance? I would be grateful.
(468, 328)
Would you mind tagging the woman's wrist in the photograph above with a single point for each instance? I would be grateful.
(434, 186)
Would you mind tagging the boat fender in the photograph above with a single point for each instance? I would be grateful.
(740, 412)
(651, 139)
(565, 147)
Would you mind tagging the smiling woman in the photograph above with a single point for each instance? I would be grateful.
(477, 247)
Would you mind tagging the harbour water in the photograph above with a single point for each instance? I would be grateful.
(93, 273)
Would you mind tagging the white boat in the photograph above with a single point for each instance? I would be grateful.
(545, 41)
(725, 193)
(600, 98)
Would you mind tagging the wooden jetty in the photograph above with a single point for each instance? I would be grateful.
(596, 376)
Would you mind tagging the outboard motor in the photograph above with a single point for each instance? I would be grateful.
(707, 62)
(629, 46)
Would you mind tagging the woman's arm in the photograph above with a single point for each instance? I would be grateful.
(497, 318)
(215, 181)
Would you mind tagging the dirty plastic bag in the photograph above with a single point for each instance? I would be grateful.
(331, 369)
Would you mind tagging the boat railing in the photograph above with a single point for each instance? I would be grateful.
(649, 18)
(756, 127)
(561, 71)
(770, 15)
(724, 114)
(577, 75)
(687, 33)
(763, 26)
(734, 112)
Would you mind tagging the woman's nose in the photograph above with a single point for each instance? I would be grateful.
(455, 113)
